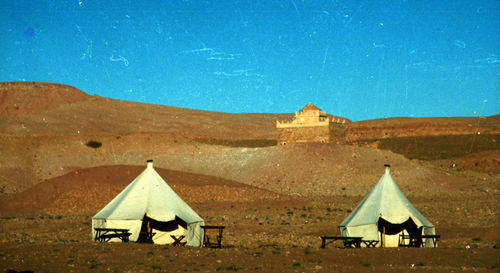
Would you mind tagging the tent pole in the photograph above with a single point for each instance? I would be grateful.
(383, 236)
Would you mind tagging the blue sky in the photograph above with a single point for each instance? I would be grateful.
(355, 59)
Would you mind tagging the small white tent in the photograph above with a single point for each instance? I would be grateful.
(384, 214)
(149, 199)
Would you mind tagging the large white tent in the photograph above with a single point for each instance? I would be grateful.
(384, 214)
(149, 199)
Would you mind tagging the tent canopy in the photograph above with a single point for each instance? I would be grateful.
(385, 210)
(150, 197)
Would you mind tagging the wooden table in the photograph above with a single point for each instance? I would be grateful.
(417, 241)
(348, 241)
(370, 243)
(434, 238)
(206, 238)
(106, 234)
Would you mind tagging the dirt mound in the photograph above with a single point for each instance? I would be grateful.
(435, 147)
(21, 98)
(86, 191)
(488, 162)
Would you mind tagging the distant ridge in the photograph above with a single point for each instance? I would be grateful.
(22, 98)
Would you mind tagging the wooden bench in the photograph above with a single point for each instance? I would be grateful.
(106, 234)
(206, 238)
(348, 241)
(416, 241)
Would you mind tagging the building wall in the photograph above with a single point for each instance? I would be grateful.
(337, 133)
(311, 125)
(303, 134)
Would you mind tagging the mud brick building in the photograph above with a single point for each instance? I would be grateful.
(310, 124)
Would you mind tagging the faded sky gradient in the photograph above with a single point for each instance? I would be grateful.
(356, 59)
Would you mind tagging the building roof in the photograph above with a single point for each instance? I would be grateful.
(309, 107)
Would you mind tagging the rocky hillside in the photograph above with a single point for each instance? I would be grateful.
(82, 131)
(412, 127)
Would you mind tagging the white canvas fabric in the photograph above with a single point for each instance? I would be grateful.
(384, 201)
(150, 195)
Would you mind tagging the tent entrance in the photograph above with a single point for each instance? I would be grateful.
(159, 232)
(390, 233)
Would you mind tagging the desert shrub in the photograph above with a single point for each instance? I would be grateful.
(308, 250)
(93, 264)
(258, 254)
(249, 143)
(93, 144)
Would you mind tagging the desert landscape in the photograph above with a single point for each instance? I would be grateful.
(64, 154)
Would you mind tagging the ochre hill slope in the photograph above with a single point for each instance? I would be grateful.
(22, 98)
(86, 191)
(52, 109)
(428, 138)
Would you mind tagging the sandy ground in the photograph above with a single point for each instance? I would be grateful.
(271, 234)
(268, 236)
